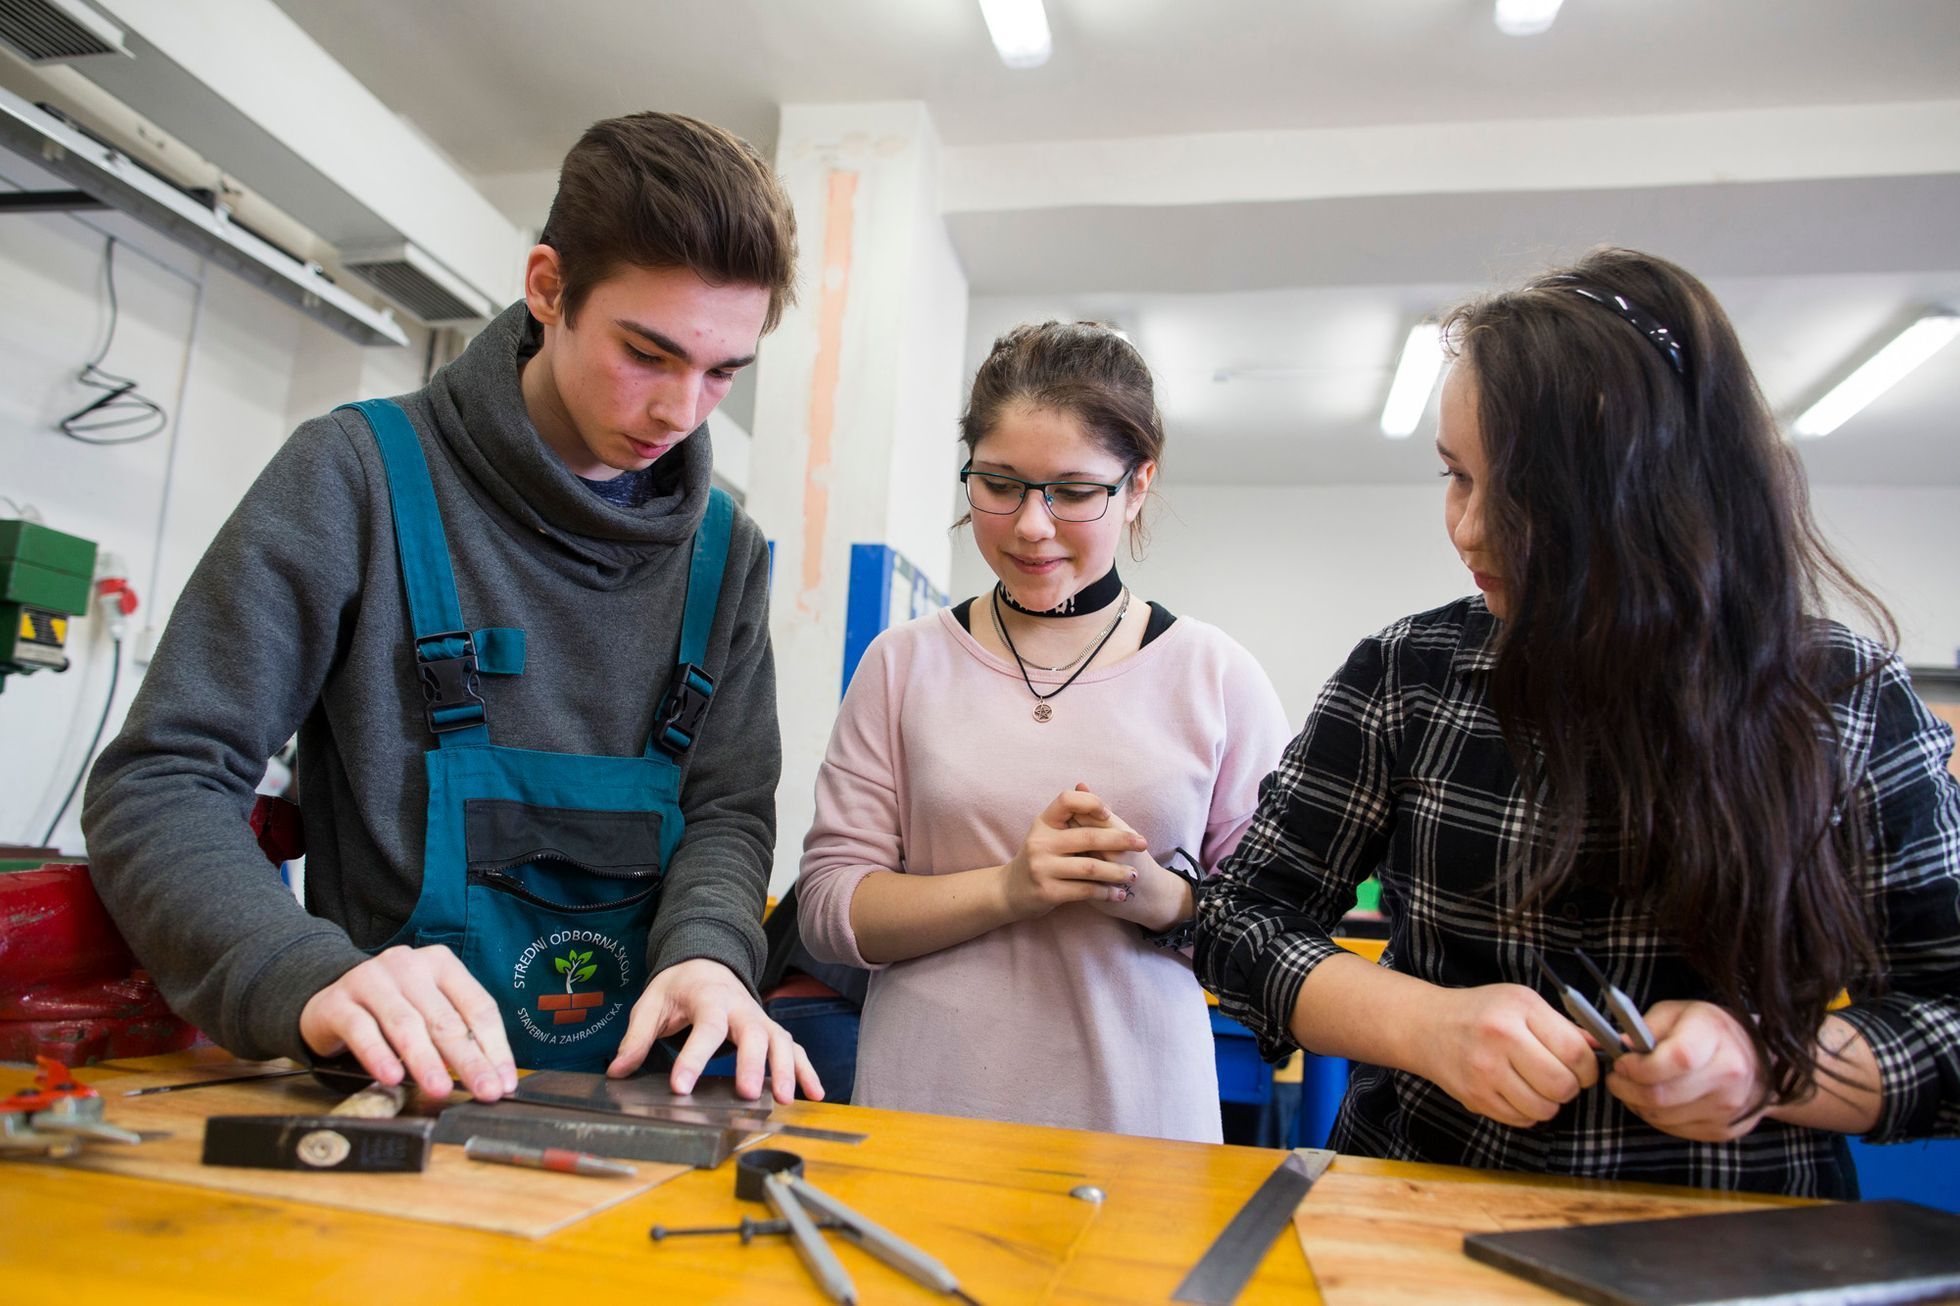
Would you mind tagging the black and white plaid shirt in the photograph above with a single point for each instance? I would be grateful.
(1401, 772)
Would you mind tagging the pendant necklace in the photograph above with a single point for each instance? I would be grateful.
(1093, 644)
(1042, 711)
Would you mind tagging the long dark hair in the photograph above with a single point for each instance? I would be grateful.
(1661, 676)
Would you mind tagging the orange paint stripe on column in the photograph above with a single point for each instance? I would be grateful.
(839, 218)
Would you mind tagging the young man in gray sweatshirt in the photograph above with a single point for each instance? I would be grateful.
(569, 458)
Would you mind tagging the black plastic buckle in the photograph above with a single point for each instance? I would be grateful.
(679, 718)
(449, 683)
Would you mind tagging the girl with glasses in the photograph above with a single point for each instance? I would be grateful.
(1642, 743)
(1023, 793)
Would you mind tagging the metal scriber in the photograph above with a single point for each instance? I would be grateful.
(213, 1083)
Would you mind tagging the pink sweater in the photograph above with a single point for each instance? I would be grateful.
(936, 765)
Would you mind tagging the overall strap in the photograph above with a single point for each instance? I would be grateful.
(445, 649)
(678, 721)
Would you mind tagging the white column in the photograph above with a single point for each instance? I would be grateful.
(858, 396)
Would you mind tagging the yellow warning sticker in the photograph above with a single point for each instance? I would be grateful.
(37, 627)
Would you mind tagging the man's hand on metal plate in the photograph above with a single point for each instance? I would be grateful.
(706, 996)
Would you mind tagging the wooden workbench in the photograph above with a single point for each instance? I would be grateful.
(988, 1199)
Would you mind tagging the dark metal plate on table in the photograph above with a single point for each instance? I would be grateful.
(1864, 1252)
(702, 1146)
(648, 1097)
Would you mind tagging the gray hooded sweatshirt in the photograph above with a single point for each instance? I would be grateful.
(295, 620)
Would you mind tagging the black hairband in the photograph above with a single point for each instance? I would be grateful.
(1635, 316)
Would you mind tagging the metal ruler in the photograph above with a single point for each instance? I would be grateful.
(1223, 1271)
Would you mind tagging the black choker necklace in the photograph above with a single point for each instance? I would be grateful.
(1090, 598)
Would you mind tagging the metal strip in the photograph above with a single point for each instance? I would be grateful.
(1223, 1271)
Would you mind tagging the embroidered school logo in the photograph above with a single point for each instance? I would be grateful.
(570, 1007)
(583, 989)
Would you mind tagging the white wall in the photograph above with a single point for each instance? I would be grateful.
(1903, 543)
(856, 400)
(1295, 574)
(234, 372)
(1299, 574)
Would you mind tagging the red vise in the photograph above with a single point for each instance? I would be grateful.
(69, 988)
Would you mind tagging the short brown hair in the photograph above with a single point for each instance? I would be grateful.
(658, 190)
(1085, 369)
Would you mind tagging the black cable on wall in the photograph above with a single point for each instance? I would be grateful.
(122, 406)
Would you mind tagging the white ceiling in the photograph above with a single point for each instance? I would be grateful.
(501, 84)
(1320, 361)
(1813, 268)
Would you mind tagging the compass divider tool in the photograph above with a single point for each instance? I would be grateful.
(804, 1210)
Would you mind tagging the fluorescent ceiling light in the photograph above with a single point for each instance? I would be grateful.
(1415, 377)
(1879, 373)
(1525, 17)
(1020, 31)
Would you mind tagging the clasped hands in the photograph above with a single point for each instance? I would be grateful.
(1078, 850)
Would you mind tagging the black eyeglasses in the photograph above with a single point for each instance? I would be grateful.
(1635, 316)
(1076, 501)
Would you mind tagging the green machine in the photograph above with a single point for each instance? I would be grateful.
(45, 581)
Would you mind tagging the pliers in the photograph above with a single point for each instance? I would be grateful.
(55, 1116)
(1632, 1032)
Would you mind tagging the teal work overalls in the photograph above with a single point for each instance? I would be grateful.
(540, 870)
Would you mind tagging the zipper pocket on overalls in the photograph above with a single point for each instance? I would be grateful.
(502, 883)
(562, 859)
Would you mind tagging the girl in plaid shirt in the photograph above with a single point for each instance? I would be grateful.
(1642, 740)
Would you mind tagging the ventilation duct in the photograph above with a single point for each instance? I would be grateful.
(242, 85)
(422, 287)
(56, 31)
(51, 151)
